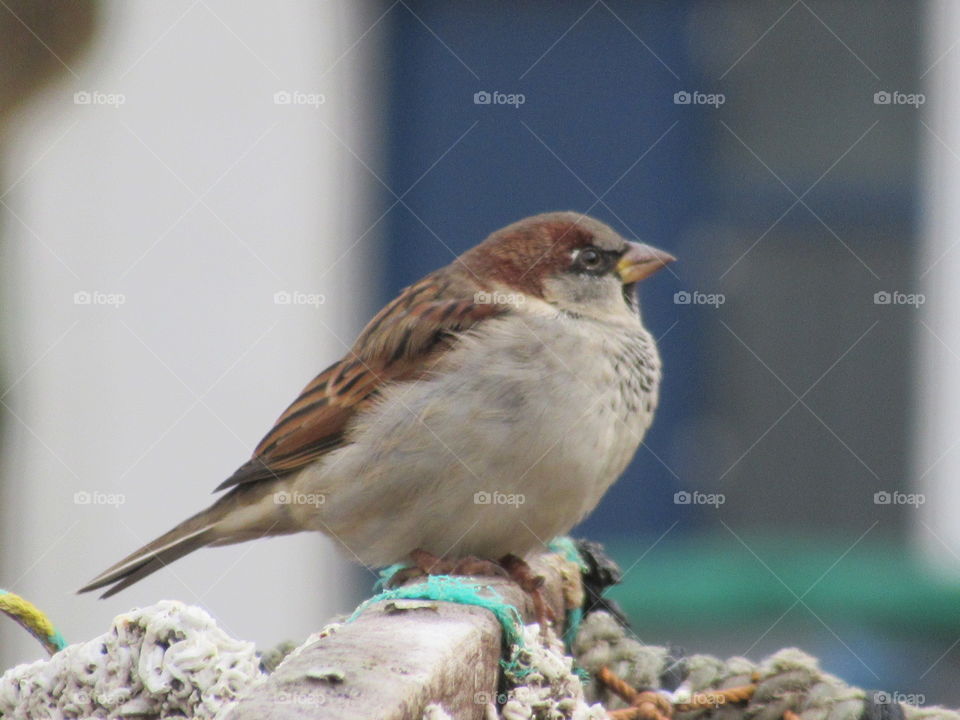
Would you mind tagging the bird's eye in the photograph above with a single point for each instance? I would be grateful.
(591, 260)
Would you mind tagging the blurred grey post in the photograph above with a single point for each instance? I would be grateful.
(165, 193)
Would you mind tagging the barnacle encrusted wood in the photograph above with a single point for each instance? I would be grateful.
(166, 660)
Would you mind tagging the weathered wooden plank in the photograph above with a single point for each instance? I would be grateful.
(396, 658)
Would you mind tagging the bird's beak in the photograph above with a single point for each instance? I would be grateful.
(641, 261)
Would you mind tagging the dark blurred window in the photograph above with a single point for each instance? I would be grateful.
(749, 139)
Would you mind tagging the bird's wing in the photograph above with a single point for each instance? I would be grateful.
(402, 342)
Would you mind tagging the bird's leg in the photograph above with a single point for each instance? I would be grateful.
(520, 572)
(430, 564)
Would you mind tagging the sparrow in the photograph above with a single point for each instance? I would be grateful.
(481, 413)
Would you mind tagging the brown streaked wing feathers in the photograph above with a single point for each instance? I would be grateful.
(403, 341)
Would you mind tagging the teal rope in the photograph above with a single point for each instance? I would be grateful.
(574, 620)
(568, 549)
(386, 575)
(446, 588)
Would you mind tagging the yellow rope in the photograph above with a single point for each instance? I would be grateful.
(33, 620)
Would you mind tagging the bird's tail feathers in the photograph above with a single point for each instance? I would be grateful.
(243, 514)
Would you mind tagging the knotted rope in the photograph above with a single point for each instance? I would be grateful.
(788, 685)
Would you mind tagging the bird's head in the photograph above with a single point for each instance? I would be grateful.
(570, 260)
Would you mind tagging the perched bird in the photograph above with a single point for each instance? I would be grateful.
(480, 414)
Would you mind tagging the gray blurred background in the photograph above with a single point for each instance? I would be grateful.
(800, 158)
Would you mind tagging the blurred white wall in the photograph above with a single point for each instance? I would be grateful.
(937, 420)
(180, 186)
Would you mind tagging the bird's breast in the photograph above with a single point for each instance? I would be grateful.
(547, 405)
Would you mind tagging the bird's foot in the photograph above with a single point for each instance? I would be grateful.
(520, 572)
(429, 564)
(425, 564)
